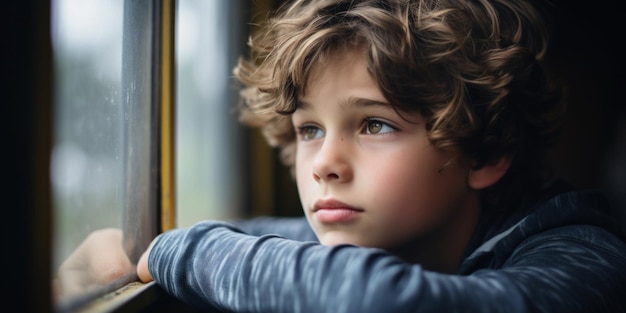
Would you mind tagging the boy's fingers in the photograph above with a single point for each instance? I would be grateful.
(142, 268)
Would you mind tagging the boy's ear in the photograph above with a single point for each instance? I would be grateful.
(489, 174)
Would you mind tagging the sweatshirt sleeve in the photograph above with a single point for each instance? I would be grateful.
(215, 265)
(296, 228)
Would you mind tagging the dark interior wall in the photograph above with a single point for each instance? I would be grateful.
(588, 59)
(26, 119)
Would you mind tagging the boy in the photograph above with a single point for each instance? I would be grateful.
(416, 132)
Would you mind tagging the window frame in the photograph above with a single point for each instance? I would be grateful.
(29, 124)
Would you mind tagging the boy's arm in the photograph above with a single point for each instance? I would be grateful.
(214, 265)
(295, 228)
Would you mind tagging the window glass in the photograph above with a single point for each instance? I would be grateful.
(104, 164)
(208, 135)
(87, 161)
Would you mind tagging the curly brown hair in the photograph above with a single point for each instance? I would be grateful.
(472, 68)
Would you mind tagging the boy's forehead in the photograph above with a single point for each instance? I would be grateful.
(303, 104)
(340, 58)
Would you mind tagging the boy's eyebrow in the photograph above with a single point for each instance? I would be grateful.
(365, 102)
(356, 101)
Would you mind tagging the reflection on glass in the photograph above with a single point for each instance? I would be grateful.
(87, 158)
(208, 170)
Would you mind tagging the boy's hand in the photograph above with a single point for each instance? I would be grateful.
(142, 266)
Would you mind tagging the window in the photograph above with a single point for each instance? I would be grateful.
(87, 163)
(116, 128)
(105, 155)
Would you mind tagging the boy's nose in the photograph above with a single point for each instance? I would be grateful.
(332, 162)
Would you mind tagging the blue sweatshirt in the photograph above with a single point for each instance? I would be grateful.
(563, 255)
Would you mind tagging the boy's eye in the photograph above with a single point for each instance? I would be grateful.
(310, 132)
(376, 127)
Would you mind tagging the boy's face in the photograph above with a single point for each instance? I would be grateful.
(369, 177)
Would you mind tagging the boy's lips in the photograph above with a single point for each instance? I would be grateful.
(333, 211)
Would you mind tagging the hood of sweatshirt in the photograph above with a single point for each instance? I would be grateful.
(497, 239)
